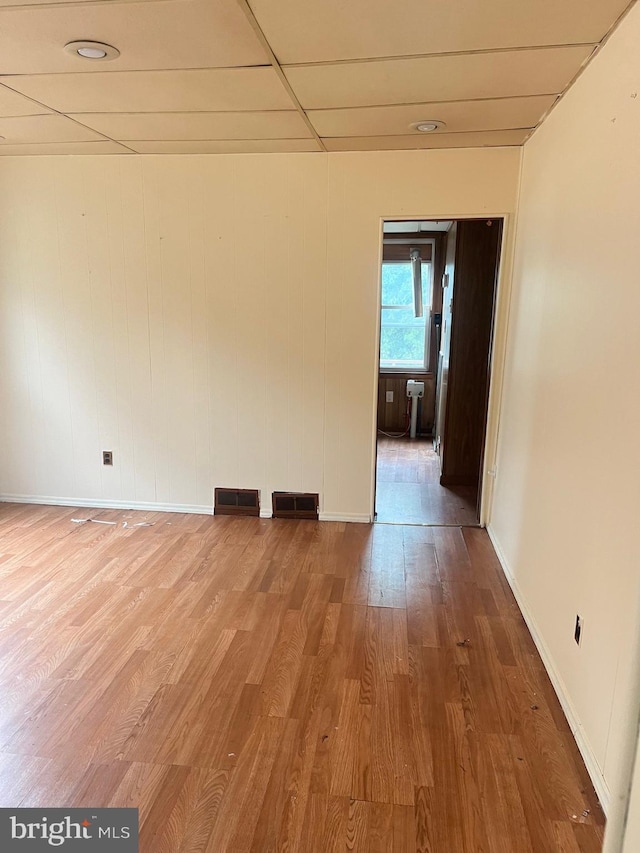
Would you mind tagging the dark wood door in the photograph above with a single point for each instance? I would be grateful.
(476, 263)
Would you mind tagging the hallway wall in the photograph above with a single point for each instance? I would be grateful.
(567, 493)
(212, 320)
(632, 833)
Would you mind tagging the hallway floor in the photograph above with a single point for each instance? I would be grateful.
(257, 685)
(408, 490)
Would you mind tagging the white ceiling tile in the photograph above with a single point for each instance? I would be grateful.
(101, 147)
(45, 128)
(193, 76)
(202, 90)
(12, 104)
(149, 35)
(436, 78)
(479, 139)
(185, 126)
(226, 146)
(500, 114)
(312, 31)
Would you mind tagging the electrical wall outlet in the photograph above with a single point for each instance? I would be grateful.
(389, 396)
(577, 634)
(107, 457)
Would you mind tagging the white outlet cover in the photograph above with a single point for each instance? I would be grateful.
(389, 396)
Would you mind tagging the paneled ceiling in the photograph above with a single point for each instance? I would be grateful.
(214, 76)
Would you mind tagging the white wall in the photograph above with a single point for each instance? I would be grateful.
(567, 496)
(212, 320)
(631, 842)
(171, 310)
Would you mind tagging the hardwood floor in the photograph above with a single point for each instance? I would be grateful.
(261, 685)
(408, 489)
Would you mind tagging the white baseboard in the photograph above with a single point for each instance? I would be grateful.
(96, 503)
(593, 768)
(106, 504)
(339, 516)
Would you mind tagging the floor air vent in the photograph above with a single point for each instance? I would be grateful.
(236, 502)
(295, 505)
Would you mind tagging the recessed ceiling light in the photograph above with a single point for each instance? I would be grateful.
(91, 50)
(429, 126)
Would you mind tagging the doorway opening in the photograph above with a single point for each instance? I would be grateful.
(436, 326)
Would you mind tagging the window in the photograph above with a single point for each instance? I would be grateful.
(404, 339)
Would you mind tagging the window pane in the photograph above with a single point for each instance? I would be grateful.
(402, 336)
(397, 284)
(401, 339)
(426, 286)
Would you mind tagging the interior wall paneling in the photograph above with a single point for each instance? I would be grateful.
(446, 304)
(392, 417)
(475, 276)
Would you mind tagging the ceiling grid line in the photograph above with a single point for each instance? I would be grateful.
(52, 111)
(244, 5)
(598, 47)
(488, 51)
(61, 4)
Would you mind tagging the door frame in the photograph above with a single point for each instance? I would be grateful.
(497, 360)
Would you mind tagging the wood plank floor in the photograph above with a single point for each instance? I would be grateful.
(258, 685)
(408, 489)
